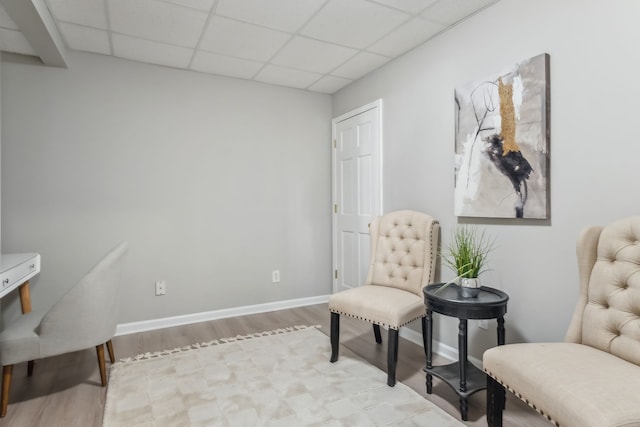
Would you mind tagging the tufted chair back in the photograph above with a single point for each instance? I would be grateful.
(403, 250)
(607, 316)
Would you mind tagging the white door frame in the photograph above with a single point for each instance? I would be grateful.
(377, 104)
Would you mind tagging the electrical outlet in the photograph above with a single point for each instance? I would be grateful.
(482, 324)
(161, 287)
(275, 276)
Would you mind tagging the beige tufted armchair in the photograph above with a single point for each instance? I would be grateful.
(593, 378)
(403, 257)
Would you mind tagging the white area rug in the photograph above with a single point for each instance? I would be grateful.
(275, 378)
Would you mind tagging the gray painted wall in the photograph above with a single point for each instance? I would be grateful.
(213, 181)
(595, 102)
(0, 159)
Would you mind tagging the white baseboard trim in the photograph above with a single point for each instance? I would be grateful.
(167, 322)
(439, 348)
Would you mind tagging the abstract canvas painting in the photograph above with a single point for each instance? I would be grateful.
(502, 143)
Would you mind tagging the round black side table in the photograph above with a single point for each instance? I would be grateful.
(464, 377)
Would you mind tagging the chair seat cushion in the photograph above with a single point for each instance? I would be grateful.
(381, 305)
(19, 341)
(572, 384)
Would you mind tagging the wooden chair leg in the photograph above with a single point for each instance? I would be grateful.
(335, 336)
(112, 355)
(376, 333)
(392, 357)
(495, 402)
(101, 364)
(30, 368)
(7, 371)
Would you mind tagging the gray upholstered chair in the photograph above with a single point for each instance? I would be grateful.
(403, 257)
(84, 317)
(593, 378)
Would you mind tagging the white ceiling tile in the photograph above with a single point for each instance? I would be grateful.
(85, 38)
(286, 77)
(451, 11)
(312, 55)
(194, 4)
(318, 45)
(5, 20)
(157, 20)
(151, 52)
(406, 37)
(355, 23)
(225, 65)
(14, 41)
(411, 6)
(360, 65)
(329, 84)
(85, 12)
(247, 41)
(286, 15)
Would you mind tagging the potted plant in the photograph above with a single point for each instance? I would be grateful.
(467, 255)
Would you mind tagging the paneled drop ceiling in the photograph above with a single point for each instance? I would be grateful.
(317, 45)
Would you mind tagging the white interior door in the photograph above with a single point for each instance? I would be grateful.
(357, 190)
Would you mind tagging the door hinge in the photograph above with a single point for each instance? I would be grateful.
(335, 208)
(336, 274)
(334, 143)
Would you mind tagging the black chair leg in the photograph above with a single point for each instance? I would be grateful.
(495, 402)
(376, 333)
(425, 337)
(335, 336)
(392, 357)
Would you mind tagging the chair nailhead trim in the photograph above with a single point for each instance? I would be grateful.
(375, 322)
(525, 400)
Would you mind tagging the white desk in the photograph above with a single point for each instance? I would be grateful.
(15, 272)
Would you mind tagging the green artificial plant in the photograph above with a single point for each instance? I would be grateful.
(467, 252)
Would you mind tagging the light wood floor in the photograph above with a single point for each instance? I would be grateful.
(65, 390)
